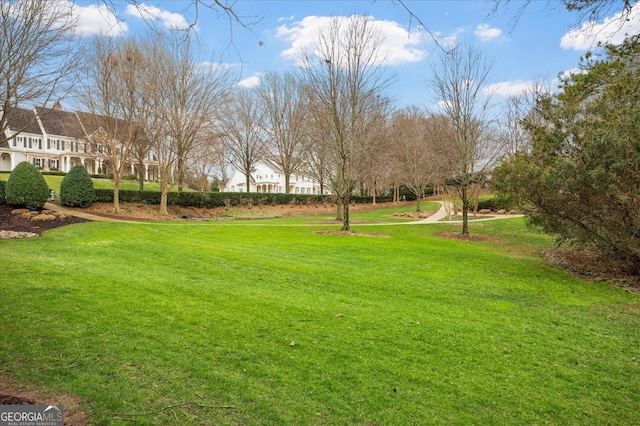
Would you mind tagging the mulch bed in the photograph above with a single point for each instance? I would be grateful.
(9, 222)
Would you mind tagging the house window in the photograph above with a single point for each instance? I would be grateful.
(37, 162)
(53, 164)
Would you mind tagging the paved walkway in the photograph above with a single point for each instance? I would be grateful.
(88, 216)
(446, 206)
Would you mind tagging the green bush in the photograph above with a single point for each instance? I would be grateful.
(76, 189)
(26, 187)
(3, 185)
(495, 203)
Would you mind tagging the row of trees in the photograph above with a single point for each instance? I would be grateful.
(331, 118)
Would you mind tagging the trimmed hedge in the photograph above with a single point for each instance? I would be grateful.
(212, 199)
(26, 187)
(76, 189)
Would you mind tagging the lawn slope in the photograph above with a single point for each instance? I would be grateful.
(250, 323)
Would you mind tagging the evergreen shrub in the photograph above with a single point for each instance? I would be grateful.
(26, 187)
(76, 189)
(3, 185)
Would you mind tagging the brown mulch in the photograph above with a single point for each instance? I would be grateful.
(9, 222)
(594, 265)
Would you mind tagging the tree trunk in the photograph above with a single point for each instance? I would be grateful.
(338, 209)
(116, 197)
(163, 201)
(374, 192)
(345, 214)
(418, 197)
(287, 177)
(465, 209)
(141, 176)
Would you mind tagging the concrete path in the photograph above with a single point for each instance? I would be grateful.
(446, 206)
(88, 216)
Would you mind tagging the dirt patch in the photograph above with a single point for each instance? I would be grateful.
(474, 238)
(13, 392)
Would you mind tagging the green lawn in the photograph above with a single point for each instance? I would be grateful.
(398, 328)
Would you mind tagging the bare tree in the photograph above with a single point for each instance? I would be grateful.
(38, 54)
(243, 133)
(282, 102)
(513, 135)
(111, 93)
(344, 76)
(184, 94)
(416, 137)
(208, 159)
(469, 149)
(376, 155)
(587, 10)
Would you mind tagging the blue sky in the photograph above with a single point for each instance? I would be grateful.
(546, 40)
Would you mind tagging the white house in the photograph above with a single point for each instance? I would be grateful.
(268, 177)
(56, 140)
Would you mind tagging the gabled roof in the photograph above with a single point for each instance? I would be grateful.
(92, 123)
(270, 163)
(22, 120)
(60, 123)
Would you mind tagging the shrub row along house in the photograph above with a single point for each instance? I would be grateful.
(55, 140)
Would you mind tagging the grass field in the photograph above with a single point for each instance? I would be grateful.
(258, 322)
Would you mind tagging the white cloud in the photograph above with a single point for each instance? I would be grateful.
(282, 19)
(250, 82)
(485, 33)
(218, 65)
(97, 20)
(170, 20)
(509, 88)
(569, 73)
(400, 46)
(442, 105)
(612, 30)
